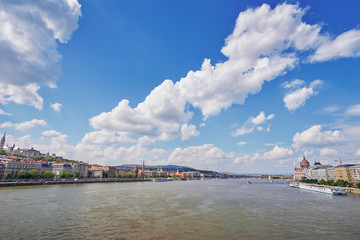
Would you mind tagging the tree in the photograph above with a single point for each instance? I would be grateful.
(22, 174)
(2, 152)
(77, 174)
(34, 174)
(48, 175)
(8, 175)
(66, 174)
(358, 185)
(322, 182)
(106, 174)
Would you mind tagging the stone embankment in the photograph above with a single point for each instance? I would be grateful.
(80, 181)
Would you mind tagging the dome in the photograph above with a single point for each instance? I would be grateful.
(304, 163)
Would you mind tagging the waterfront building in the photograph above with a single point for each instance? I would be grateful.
(59, 168)
(2, 170)
(321, 172)
(300, 173)
(355, 173)
(96, 173)
(110, 170)
(13, 167)
(45, 167)
(123, 171)
(82, 168)
(343, 172)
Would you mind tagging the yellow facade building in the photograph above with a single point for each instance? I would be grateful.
(343, 172)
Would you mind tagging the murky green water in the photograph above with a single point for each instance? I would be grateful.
(214, 209)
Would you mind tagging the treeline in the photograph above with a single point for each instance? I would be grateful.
(340, 183)
(35, 174)
(32, 174)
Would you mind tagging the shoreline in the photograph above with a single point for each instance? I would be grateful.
(45, 183)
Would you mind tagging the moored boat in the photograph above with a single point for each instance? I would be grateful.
(323, 189)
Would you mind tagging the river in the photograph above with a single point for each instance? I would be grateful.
(209, 209)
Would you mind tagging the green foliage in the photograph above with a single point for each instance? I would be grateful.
(8, 175)
(106, 174)
(2, 152)
(358, 185)
(48, 175)
(77, 174)
(310, 180)
(22, 174)
(66, 174)
(322, 182)
(34, 174)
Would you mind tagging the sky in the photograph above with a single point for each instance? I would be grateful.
(232, 86)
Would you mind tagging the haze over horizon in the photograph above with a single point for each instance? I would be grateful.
(242, 87)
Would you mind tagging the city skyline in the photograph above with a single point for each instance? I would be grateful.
(242, 87)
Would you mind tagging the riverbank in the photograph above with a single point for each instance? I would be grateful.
(80, 181)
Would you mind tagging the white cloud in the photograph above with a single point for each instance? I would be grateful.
(357, 153)
(28, 41)
(188, 131)
(278, 153)
(328, 152)
(56, 106)
(294, 84)
(297, 98)
(24, 125)
(204, 156)
(331, 109)
(51, 133)
(2, 112)
(314, 137)
(346, 44)
(241, 143)
(27, 95)
(353, 110)
(250, 124)
(216, 87)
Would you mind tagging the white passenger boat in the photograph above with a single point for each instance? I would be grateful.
(322, 189)
(160, 179)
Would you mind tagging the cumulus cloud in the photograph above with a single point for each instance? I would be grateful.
(51, 133)
(28, 41)
(188, 131)
(250, 124)
(346, 44)
(27, 95)
(56, 106)
(314, 138)
(217, 86)
(277, 153)
(199, 156)
(353, 110)
(24, 125)
(298, 96)
(328, 152)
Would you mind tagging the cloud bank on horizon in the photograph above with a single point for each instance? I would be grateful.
(265, 44)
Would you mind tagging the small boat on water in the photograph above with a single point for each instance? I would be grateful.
(248, 182)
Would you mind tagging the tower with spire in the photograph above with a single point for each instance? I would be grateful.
(2, 142)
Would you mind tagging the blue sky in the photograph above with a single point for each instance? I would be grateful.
(238, 86)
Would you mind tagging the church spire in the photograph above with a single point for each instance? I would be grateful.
(2, 142)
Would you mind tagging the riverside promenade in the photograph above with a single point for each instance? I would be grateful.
(65, 181)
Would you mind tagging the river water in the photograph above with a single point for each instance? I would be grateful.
(209, 209)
